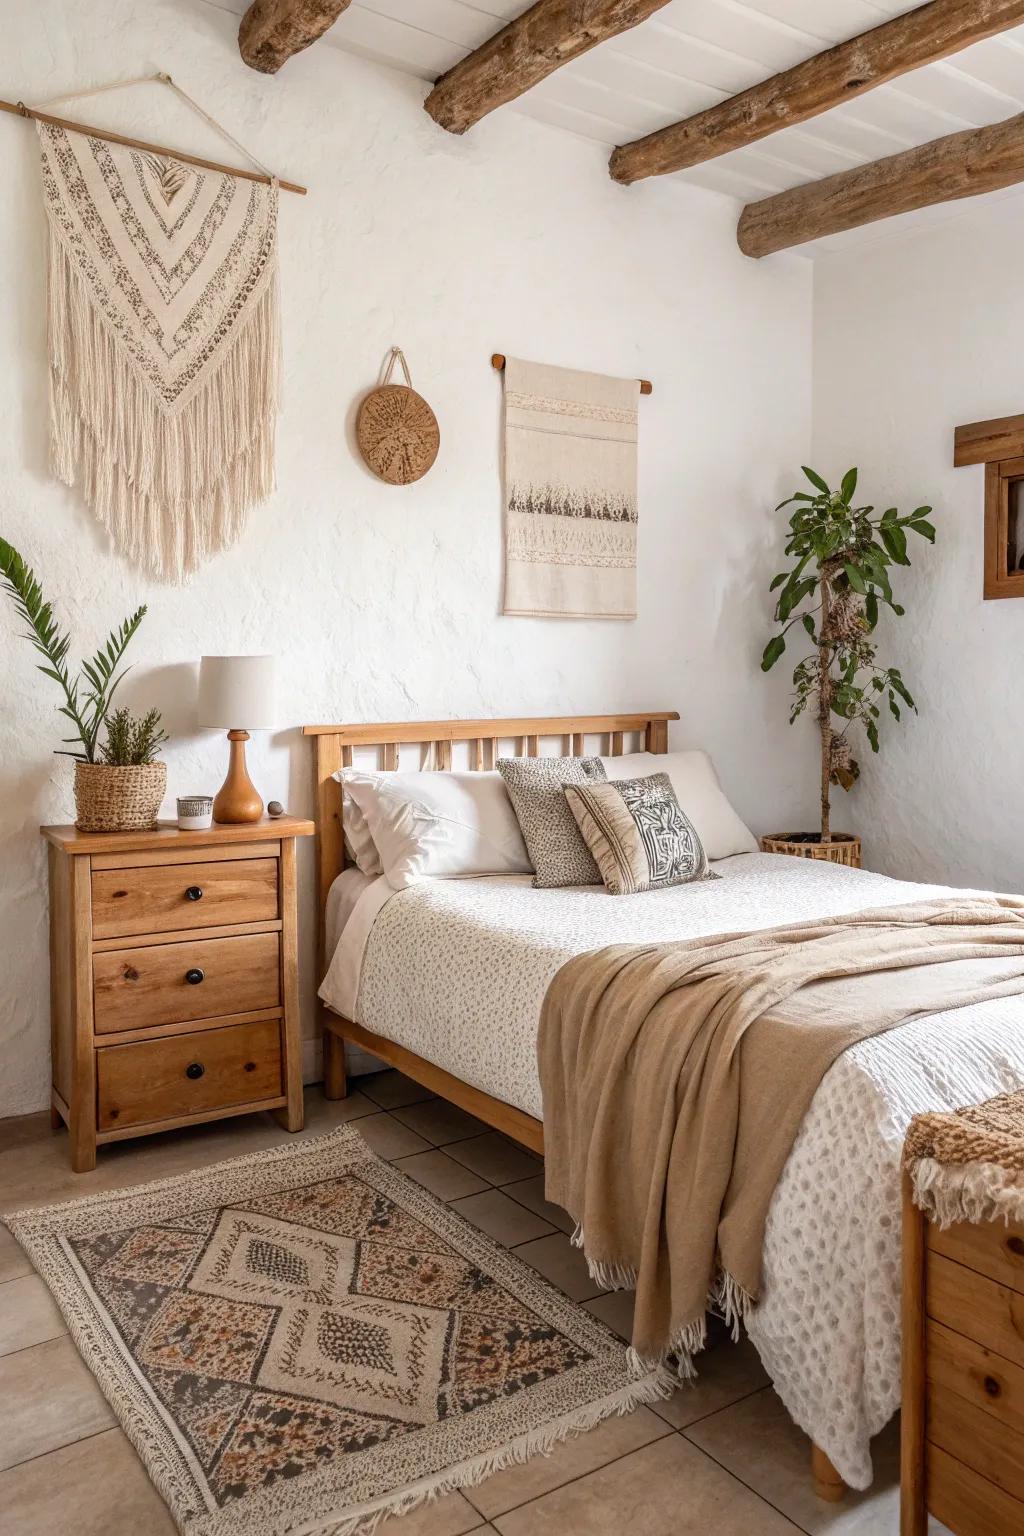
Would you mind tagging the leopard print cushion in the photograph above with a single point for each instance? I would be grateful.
(554, 842)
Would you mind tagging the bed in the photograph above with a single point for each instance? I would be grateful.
(445, 981)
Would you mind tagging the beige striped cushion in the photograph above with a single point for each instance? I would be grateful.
(638, 834)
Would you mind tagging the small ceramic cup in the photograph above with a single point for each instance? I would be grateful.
(195, 813)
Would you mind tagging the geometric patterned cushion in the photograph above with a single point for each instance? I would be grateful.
(557, 851)
(638, 834)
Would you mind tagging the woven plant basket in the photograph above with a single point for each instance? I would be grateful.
(396, 430)
(843, 849)
(109, 799)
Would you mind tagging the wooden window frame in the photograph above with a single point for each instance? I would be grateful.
(999, 581)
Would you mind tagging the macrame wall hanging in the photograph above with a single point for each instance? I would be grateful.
(164, 341)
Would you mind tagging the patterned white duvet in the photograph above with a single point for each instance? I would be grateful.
(456, 970)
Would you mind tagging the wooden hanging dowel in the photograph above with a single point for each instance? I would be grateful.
(20, 109)
(498, 361)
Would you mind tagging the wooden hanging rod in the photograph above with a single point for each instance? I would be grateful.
(498, 361)
(20, 109)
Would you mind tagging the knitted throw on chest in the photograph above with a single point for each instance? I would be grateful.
(163, 345)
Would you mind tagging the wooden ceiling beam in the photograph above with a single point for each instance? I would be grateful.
(272, 30)
(525, 52)
(907, 42)
(958, 165)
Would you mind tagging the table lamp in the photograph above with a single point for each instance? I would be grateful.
(236, 694)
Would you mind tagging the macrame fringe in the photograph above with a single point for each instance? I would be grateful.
(726, 1297)
(539, 1442)
(171, 487)
(974, 1192)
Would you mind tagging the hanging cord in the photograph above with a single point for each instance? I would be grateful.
(396, 355)
(162, 78)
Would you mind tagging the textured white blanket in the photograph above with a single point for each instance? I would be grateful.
(456, 970)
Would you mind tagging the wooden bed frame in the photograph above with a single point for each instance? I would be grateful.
(488, 739)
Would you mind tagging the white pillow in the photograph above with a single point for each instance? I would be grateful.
(360, 847)
(699, 794)
(431, 825)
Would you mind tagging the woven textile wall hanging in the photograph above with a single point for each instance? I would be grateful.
(164, 344)
(570, 493)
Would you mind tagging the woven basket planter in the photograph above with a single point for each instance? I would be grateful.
(109, 799)
(843, 849)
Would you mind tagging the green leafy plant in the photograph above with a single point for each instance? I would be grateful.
(133, 739)
(87, 696)
(835, 589)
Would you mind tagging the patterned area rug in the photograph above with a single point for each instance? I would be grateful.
(305, 1340)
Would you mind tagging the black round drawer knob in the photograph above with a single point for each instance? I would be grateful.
(194, 893)
(1016, 1246)
(992, 1386)
(194, 1069)
(195, 976)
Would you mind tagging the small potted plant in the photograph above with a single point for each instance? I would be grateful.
(118, 785)
(836, 587)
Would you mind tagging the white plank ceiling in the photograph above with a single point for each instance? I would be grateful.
(694, 53)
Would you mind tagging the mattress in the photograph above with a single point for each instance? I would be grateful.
(456, 970)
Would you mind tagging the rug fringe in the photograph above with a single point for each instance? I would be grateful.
(974, 1192)
(540, 1442)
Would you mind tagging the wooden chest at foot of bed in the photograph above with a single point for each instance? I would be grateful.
(172, 979)
(963, 1376)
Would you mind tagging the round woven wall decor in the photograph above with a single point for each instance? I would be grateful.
(396, 430)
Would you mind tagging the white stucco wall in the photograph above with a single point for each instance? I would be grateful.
(383, 603)
(913, 336)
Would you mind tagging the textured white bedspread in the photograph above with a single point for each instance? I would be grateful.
(456, 970)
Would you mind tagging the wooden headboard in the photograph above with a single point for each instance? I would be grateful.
(335, 745)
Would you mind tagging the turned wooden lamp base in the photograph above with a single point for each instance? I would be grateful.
(237, 800)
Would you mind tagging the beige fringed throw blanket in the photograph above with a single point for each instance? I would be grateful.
(675, 1077)
(570, 492)
(163, 345)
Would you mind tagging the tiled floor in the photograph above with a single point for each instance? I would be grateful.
(721, 1457)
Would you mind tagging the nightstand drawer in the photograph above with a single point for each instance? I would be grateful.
(195, 979)
(190, 1074)
(159, 898)
(971, 1304)
(991, 1247)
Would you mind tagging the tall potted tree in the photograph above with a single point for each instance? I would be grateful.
(834, 590)
(119, 784)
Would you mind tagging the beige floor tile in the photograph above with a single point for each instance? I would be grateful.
(439, 1121)
(322, 1115)
(495, 1159)
(616, 1309)
(562, 1264)
(758, 1441)
(574, 1458)
(439, 1173)
(28, 1314)
(530, 1192)
(501, 1218)
(450, 1516)
(727, 1372)
(389, 1138)
(97, 1487)
(13, 1258)
(392, 1089)
(50, 1399)
(666, 1489)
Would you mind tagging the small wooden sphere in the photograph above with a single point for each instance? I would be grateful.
(397, 433)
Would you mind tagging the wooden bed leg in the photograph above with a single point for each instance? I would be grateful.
(828, 1484)
(335, 1078)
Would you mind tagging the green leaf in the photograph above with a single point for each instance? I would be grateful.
(808, 624)
(919, 512)
(889, 515)
(849, 485)
(778, 580)
(897, 610)
(924, 528)
(772, 651)
(816, 480)
(895, 541)
(871, 610)
(855, 578)
(872, 732)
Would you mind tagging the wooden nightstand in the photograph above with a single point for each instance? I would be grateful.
(173, 979)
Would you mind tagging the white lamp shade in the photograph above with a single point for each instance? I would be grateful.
(236, 693)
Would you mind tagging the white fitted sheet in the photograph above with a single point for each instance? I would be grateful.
(456, 970)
